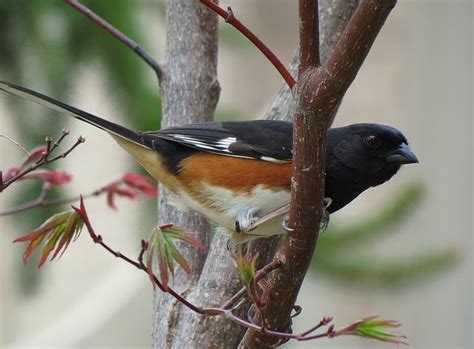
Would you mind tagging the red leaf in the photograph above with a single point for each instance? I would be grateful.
(130, 193)
(35, 154)
(31, 248)
(53, 177)
(140, 182)
(12, 172)
(110, 200)
(162, 262)
(58, 230)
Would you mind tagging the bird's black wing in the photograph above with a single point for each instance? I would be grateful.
(267, 140)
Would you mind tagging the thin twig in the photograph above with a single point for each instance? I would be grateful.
(232, 20)
(225, 310)
(275, 264)
(52, 146)
(19, 145)
(41, 202)
(139, 51)
(43, 160)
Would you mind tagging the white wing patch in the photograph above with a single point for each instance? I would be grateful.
(226, 142)
(222, 145)
(219, 146)
(270, 159)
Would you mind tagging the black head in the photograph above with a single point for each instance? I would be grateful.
(361, 156)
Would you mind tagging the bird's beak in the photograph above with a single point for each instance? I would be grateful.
(402, 155)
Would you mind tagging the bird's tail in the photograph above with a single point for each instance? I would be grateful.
(110, 127)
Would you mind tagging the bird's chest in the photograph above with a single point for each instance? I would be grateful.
(224, 206)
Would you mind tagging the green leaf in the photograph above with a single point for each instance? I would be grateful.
(161, 246)
(247, 266)
(371, 327)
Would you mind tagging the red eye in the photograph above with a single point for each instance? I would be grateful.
(373, 141)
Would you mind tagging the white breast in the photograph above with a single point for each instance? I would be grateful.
(227, 205)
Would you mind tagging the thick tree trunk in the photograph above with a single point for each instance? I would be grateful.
(215, 279)
(189, 91)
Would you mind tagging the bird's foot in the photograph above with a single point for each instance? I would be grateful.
(245, 221)
(256, 221)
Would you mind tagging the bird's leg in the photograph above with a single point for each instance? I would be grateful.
(324, 219)
(254, 221)
(284, 224)
(248, 220)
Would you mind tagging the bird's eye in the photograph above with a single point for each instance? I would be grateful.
(373, 141)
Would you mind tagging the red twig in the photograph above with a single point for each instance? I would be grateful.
(43, 160)
(145, 56)
(226, 309)
(232, 20)
(40, 201)
(275, 264)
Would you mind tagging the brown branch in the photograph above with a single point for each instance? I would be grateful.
(274, 264)
(145, 56)
(139, 264)
(318, 92)
(225, 310)
(309, 36)
(234, 21)
(42, 161)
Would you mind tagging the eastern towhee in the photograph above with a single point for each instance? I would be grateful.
(235, 173)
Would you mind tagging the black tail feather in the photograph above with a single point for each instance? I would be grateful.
(54, 104)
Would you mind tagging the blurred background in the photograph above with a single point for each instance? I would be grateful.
(403, 250)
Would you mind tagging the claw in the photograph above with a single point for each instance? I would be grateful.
(284, 225)
(297, 311)
(327, 202)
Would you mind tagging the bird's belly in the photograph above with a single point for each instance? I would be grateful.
(223, 206)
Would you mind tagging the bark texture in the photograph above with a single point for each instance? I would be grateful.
(215, 278)
(318, 92)
(189, 91)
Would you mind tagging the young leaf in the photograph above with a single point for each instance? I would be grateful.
(131, 185)
(58, 231)
(246, 266)
(161, 245)
(141, 183)
(374, 328)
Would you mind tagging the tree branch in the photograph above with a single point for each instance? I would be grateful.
(234, 21)
(226, 310)
(35, 161)
(309, 35)
(145, 56)
(317, 92)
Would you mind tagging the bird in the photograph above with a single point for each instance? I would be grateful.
(236, 173)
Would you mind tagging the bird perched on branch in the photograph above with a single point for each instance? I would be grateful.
(238, 174)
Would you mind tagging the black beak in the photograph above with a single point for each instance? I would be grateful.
(402, 155)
